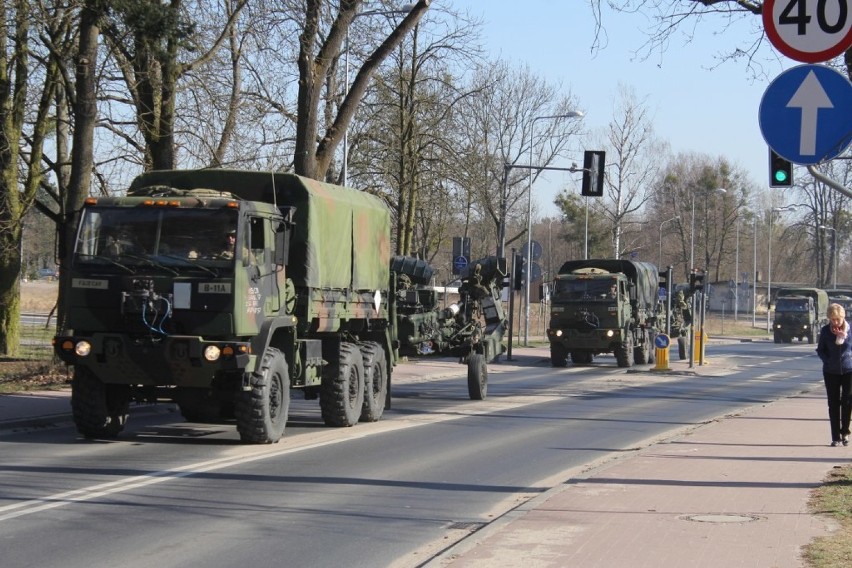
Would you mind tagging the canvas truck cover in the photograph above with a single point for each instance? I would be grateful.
(819, 296)
(644, 274)
(341, 238)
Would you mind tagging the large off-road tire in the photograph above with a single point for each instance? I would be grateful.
(681, 347)
(641, 353)
(342, 394)
(99, 410)
(624, 354)
(558, 355)
(261, 412)
(777, 337)
(477, 377)
(375, 381)
(652, 347)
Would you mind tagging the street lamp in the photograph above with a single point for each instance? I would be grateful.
(692, 229)
(676, 217)
(402, 10)
(570, 114)
(769, 267)
(834, 245)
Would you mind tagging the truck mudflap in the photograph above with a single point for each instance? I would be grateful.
(175, 360)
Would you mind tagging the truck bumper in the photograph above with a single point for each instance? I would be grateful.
(187, 361)
(598, 340)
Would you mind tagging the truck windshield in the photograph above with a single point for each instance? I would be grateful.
(791, 305)
(583, 289)
(173, 239)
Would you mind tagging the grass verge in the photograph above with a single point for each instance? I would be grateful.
(833, 499)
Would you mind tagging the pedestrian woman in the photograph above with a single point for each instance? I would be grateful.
(835, 350)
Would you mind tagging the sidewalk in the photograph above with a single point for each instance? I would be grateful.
(730, 493)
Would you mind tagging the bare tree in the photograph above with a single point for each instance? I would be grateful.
(27, 90)
(632, 164)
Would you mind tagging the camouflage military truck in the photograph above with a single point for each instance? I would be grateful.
(471, 329)
(604, 306)
(799, 313)
(222, 290)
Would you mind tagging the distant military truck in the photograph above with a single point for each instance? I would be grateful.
(799, 313)
(222, 290)
(604, 306)
(471, 329)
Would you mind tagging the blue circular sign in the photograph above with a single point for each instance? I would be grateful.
(806, 114)
(661, 341)
(460, 262)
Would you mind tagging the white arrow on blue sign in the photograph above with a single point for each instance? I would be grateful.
(806, 114)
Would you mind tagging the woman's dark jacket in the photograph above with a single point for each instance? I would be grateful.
(836, 359)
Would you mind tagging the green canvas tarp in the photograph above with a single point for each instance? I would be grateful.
(341, 238)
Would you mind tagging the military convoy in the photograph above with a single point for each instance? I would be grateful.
(604, 306)
(799, 313)
(223, 290)
(163, 305)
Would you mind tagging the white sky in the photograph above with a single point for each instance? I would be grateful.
(695, 109)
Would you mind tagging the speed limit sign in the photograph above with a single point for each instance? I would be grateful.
(810, 31)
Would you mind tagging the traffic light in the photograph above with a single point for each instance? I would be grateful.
(780, 170)
(696, 280)
(520, 272)
(593, 173)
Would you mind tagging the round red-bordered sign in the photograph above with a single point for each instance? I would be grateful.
(810, 31)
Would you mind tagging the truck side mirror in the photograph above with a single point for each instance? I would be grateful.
(282, 245)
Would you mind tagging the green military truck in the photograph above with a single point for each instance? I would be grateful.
(842, 296)
(222, 290)
(604, 306)
(799, 313)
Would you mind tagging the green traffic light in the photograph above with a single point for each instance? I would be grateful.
(780, 176)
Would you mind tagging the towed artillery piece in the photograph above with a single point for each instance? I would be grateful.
(471, 329)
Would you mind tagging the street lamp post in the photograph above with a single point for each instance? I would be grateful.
(769, 267)
(676, 217)
(571, 114)
(402, 10)
(834, 246)
(737, 274)
(754, 276)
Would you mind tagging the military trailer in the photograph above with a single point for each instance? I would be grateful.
(604, 306)
(222, 290)
(471, 329)
(799, 313)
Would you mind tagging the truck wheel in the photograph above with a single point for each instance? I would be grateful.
(624, 355)
(99, 410)
(342, 395)
(681, 347)
(651, 346)
(776, 337)
(558, 355)
(375, 381)
(477, 377)
(640, 354)
(262, 412)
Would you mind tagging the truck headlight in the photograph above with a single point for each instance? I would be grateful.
(610, 333)
(83, 348)
(212, 352)
(558, 333)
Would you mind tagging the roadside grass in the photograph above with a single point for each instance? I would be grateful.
(832, 499)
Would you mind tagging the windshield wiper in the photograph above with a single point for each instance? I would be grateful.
(152, 262)
(108, 259)
(188, 262)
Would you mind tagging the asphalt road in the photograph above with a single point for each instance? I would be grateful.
(394, 493)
